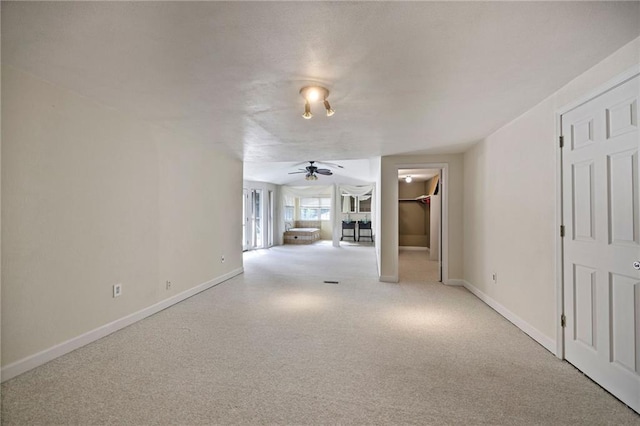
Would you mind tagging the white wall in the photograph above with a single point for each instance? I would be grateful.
(388, 240)
(510, 222)
(92, 197)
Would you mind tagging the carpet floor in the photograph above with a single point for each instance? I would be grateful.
(277, 345)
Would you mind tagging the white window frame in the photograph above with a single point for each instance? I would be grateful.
(324, 203)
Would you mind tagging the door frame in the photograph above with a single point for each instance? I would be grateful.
(444, 215)
(559, 247)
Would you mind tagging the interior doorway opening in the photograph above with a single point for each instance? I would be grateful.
(420, 224)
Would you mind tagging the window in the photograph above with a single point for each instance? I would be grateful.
(289, 207)
(315, 208)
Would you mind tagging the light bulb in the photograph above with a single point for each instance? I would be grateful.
(313, 95)
(408, 179)
(330, 112)
(307, 111)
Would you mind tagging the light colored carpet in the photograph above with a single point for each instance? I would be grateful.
(416, 266)
(276, 345)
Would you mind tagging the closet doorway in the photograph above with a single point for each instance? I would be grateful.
(420, 225)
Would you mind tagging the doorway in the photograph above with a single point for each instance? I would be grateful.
(419, 225)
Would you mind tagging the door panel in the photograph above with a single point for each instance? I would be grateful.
(624, 342)
(624, 217)
(585, 305)
(583, 201)
(601, 190)
(582, 133)
(622, 118)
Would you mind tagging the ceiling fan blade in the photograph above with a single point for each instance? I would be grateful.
(325, 172)
(330, 164)
(293, 173)
(318, 162)
(301, 164)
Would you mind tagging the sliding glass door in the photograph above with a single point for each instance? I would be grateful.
(252, 235)
(271, 210)
(246, 214)
(256, 207)
(258, 212)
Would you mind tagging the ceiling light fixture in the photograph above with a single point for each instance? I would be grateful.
(408, 179)
(314, 94)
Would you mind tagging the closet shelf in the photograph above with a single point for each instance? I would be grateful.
(420, 199)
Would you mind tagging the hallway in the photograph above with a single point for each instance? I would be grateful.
(278, 345)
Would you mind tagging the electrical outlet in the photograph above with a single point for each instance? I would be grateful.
(168, 285)
(494, 277)
(117, 290)
(222, 259)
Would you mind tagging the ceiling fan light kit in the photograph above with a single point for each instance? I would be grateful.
(314, 94)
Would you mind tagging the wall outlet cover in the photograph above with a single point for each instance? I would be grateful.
(117, 290)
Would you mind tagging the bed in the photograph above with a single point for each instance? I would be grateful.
(303, 232)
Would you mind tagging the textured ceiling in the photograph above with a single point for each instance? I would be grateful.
(404, 76)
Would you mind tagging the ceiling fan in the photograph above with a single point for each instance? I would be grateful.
(312, 170)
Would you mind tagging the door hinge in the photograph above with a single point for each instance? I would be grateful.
(561, 231)
(563, 320)
(561, 141)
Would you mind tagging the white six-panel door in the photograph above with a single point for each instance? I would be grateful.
(601, 191)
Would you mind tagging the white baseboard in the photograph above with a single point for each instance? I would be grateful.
(388, 279)
(454, 281)
(414, 248)
(534, 333)
(23, 365)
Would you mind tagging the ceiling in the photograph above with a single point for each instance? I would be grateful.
(405, 77)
